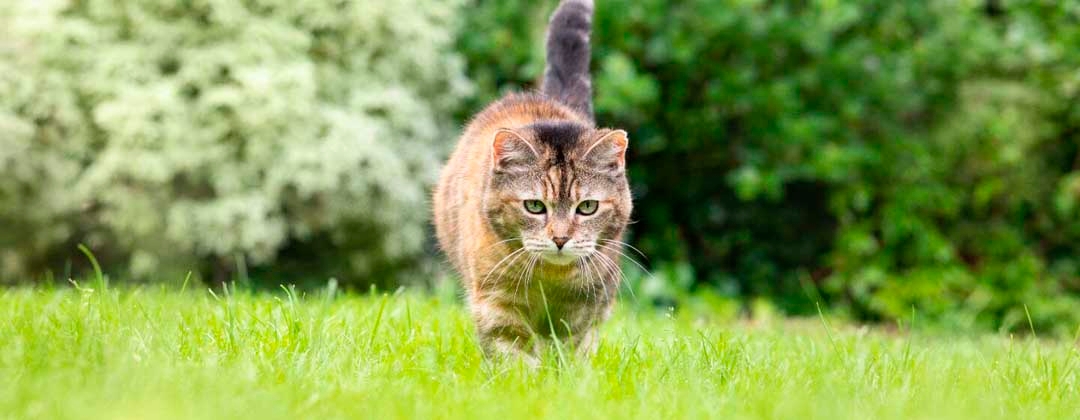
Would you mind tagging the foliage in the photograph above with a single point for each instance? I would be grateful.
(880, 158)
(170, 135)
(885, 157)
(93, 352)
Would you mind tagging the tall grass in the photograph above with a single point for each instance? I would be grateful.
(90, 352)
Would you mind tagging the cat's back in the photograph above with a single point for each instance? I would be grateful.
(517, 110)
(458, 197)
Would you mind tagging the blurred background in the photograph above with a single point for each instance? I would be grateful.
(881, 159)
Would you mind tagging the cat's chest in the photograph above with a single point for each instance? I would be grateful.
(556, 315)
(559, 300)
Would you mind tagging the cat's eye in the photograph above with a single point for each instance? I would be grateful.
(588, 207)
(535, 206)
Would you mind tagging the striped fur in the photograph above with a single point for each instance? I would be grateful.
(545, 147)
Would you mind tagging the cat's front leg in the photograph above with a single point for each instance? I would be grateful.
(583, 325)
(504, 334)
(585, 342)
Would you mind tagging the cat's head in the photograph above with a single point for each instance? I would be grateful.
(560, 187)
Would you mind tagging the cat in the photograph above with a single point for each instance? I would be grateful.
(532, 205)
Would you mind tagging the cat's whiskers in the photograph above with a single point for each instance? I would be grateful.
(527, 256)
(524, 277)
(493, 249)
(615, 270)
(617, 251)
(518, 252)
(599, 280)
(605, 262)
(488, 250)
(506, 240)
(582, 265)
(618, 242)
(537, 260)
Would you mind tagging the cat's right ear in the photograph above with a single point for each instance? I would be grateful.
(512, 153)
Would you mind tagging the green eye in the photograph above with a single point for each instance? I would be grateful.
(588, 207)
(535, 206)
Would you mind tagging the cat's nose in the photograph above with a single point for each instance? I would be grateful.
(560, 241)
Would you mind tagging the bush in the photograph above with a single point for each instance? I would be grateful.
(885, 157)
(171, 135)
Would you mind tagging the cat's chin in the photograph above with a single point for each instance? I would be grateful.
(559, 258)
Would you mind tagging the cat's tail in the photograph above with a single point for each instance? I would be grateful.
(566, 77)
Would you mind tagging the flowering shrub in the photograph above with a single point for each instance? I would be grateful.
(180, 135)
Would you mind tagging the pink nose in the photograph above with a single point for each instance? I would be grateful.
(560, 241)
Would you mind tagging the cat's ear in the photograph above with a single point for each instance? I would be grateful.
(608, 153)
(511, 152)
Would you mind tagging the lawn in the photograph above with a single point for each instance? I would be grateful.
(149, 353)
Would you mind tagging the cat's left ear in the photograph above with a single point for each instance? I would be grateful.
(510, 152)
(608, 153)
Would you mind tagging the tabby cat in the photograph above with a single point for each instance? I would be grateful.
(533, 202)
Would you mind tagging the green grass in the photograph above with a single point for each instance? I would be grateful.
(153, 353)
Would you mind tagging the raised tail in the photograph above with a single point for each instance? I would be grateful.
(566, 77)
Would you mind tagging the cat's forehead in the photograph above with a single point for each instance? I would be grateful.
(559, 139)
(570, 183)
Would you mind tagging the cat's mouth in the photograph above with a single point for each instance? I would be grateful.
(569, 254)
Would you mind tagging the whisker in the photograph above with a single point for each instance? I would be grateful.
(600, 281)
(594, 284)
(512, 254)
(525, 277)
(615, 269)
(491, 248)
(581, 271)
(529, 274)
(590, 269)
(603, 262)
(616, 241)
(506, 240)
(617, 251)
(516, 259)
(518, 280)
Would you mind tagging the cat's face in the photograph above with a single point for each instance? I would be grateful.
(559, 187)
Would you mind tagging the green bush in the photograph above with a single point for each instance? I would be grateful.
(173, 135)
(884, 157)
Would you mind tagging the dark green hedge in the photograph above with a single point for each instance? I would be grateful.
(882, 157)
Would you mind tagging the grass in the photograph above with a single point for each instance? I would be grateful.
(154, 353)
